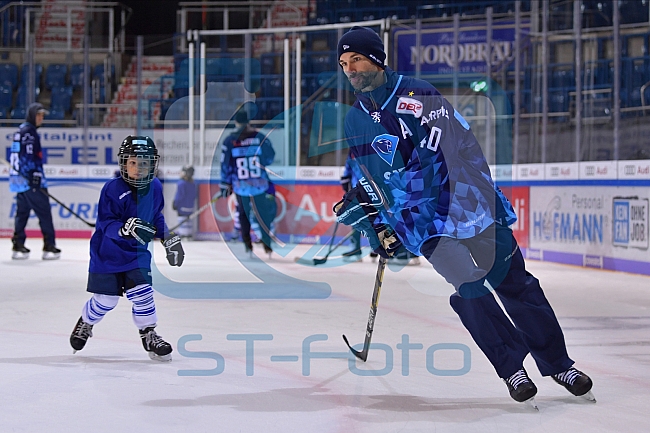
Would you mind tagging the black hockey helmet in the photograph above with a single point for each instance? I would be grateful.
(188, 171)
(146, 157)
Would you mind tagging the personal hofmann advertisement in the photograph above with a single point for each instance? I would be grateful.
(605, 227)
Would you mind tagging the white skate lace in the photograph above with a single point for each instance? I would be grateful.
(154, 340)
(568, 376)
(520, 377)
(84, 330)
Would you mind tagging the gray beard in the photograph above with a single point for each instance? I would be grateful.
(367, 78)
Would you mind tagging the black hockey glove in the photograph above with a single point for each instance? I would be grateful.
(360, 209)
(35, 180)
(226, 190)
(138, 229)
(174, 249)
(346, 183)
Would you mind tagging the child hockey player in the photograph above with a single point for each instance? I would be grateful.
(130, 216)
(185, 202)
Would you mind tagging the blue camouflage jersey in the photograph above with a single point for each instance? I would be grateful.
(422, 154)
(349, 172)
(110, 252)
(26, 158)
(244, 155)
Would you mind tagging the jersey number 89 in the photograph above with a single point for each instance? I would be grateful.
(248, 168)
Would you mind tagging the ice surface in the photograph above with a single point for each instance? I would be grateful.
(261, 350)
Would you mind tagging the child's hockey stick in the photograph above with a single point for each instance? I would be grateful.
(196, 212)
(363, 354)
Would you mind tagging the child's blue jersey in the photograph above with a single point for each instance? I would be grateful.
(244, 156)
(408, 138)
(110, 252)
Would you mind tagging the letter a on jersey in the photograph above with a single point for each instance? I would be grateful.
(386, 145)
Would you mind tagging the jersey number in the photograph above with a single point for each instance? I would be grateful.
(433, 140)
(248, 168)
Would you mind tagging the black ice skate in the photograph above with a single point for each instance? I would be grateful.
(19, 252)
(50, 252)
(158, 349)
(576, 382)
(521, 388)
(80, 334)
(268, 250)
(352, 255)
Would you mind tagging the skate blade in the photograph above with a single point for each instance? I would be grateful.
(51, 256)
(589, 396)
(19, 256)
(531, 402)
(163, 358)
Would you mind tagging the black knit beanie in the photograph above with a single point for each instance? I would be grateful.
(363, 40)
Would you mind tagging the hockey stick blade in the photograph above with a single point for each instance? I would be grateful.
(306, 262)
(310, 262)
(363, 354)
(320, 260)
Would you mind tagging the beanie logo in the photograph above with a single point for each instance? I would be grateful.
(345, 47)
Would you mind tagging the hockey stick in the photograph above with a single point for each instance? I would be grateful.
(363, 354)
(88, 223)
(44, 191)
(196, 212)
(321, 260)
(329, 249)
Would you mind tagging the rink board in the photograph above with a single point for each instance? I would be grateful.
(593, 222)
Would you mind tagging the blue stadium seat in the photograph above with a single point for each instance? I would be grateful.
(6, 97)
(55, 114)
(98, 73)
(21, 96)
(55, 75)
(61, 98)
(77, 76)
(9, 75)
(24, 76)
(18, 113)
(212, 68)
(268, 63)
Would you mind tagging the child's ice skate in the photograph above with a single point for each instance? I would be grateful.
(158, 349)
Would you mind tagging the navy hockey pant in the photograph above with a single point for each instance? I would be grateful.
(40, 203)
(492, 261)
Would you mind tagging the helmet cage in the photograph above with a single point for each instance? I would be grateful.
(144, 151)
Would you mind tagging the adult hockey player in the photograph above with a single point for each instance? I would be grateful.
(129, 217)
(27, 180)
(244, 155)
(424, 183)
